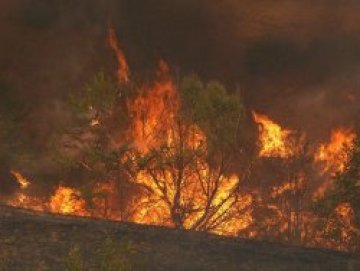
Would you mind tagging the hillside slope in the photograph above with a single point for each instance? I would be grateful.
(32, 241)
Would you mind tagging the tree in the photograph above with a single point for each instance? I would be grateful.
(184, 165)
(88, 151)
(339, 209)
(172, 147)
(282, 185)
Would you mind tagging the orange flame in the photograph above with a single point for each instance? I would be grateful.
(21, 198)
(67, 200)
(333, 155)
(123, 68)
(274, 140)
(153, 112)
(24, 183)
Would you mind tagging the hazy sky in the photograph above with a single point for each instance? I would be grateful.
(298, 61)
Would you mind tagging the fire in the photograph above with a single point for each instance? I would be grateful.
(21, 198)
(345, 213)
(156, 126)
(24, 183)
(205, 198)
(64, 201)
(333, 155)
(275, 140)
(123, 68)
(153, 111)
(67, 200)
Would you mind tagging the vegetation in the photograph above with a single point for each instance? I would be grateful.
(110, 256)
(204, 122)
(339, 210)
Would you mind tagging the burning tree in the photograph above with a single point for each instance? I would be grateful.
(177, 152)
(283, 172)
(339, 209)
(168, 147)
(184, 142)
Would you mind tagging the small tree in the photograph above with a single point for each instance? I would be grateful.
(185, 168)
(176, 145)
(339, 209)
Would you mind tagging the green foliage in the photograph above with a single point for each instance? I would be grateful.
(99, 96)
(218, 113)
(206, 107)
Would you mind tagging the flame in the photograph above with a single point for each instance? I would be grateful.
(21, 198)
(333, 155)
(282, 189)
(154, 126)
(153, 112)
(123, 68)
(67, 200)
(24, 183)
(345, 213)
(274, 140)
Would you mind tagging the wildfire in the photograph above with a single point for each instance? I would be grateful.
(123, 68)
(275, 140)
(153, 112)
(196, 194)
(67, 200)
(333, 155)
(21, 198)
(155, 126)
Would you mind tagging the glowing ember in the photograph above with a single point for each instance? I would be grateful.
(274, 140)
(333, 155)
(123, 68)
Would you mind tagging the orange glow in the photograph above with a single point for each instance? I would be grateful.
(153, 112)
(24, 183)
(274, 140)
(67, 201)
(123, 68)
(206, 197)
(21, 198)
(333, 155)
(345, 213)
(155, 125)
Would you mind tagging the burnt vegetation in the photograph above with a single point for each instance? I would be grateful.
(159, 120)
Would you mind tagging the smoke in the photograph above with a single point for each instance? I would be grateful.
(297, 61)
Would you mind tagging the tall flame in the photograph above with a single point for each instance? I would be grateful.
(274, 140)
(123, 68)
(154, 126)
(153, 111)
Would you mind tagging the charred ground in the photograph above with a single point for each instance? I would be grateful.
(32, 241)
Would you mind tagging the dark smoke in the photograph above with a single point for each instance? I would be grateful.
(297, 61)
